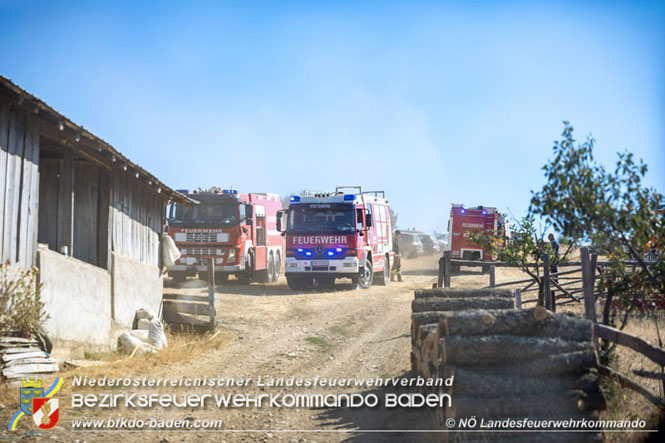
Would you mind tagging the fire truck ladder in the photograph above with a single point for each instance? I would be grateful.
(376, 193)
(340, 189)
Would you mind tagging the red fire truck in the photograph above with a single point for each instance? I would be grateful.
(463, 221)
(338, 235)
(237, 231)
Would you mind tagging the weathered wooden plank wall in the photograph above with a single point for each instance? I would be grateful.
(49, 170)
(135, 219)
(4, 143)
(86, 211)
(19, 161)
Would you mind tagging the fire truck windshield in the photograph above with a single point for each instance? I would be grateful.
(321, 218)
(211, 212)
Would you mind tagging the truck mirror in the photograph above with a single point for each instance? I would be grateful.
(368, 220)
(279, 220)
(249, 213)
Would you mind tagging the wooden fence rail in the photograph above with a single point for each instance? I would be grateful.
(610, 334)
(569, 287)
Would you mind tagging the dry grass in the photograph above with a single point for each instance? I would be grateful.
(625, 403)
(183, 347)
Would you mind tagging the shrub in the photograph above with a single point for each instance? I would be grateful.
(21, 308)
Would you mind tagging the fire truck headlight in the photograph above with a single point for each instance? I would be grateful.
(232, 255)
(292, 265)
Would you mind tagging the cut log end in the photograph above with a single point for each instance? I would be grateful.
(488, 319)
(540, 313)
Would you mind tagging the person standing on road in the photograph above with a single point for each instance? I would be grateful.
(397, 263)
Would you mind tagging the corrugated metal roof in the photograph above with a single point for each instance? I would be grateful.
(46, 113)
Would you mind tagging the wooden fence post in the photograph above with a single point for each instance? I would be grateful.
(518, 298)
(546, 282)
(492, 276)
(446, 269)
(211, 290)
(588, 277)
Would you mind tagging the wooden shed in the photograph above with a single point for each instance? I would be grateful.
(68, 200)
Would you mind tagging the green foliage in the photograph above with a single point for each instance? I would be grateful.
(613, 211)
(393, 218)
(21, 309)
(563, 240)
(525, 250)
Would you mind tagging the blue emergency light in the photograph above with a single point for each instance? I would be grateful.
(484, 212)
(339, 249)
(230, 191)
(183, 191)
(300, 249)
(462, 211)
(308, 253)
(349, 197)
(295, 198)
(331, 253)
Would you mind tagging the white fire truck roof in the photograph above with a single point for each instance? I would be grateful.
(339, 198)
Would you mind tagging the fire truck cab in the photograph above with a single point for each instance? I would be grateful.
(337, 235)
(463, 221)
(237, 231)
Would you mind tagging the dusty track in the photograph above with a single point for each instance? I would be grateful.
(338, 333)
(273, 332)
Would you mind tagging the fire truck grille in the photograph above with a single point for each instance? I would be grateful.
(201, 237)
(199, 251)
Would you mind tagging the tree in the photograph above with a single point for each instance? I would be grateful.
(613, 211)
(525, 250)
(393, 218)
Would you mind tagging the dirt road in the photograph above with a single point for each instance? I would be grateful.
(272, 332)
(333, 334)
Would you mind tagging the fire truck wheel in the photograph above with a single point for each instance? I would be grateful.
(365, 276)
(271, 268)
(298, 283)
(278, 267)
(245, 277)
(383, 277)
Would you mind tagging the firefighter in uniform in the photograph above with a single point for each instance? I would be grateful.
(397, 264)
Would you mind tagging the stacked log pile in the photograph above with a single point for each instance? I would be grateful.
(507, 363)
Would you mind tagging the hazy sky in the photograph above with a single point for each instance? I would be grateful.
(433, 102)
